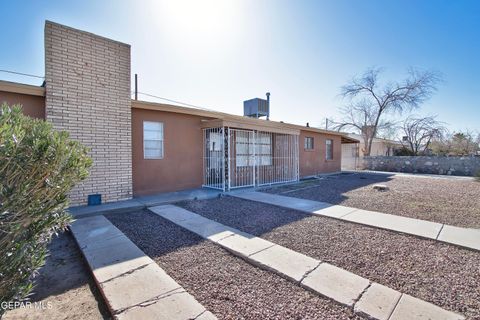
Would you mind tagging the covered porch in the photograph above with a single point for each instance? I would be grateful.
(237, 155)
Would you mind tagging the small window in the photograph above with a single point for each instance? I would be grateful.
(308, 143)
(152, 140)
(214, 141)
(329, 149)
(244, 149)
(263, 150)
(355, 151)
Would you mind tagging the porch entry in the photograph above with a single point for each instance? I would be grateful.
(236, 158)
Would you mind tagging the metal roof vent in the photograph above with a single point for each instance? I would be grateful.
(257, 107)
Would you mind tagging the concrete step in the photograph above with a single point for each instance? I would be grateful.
(132, 284)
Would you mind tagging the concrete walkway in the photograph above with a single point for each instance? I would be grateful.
(132, 284)
(411, 175)
(463, 237)
(142, 202)
(364, 297)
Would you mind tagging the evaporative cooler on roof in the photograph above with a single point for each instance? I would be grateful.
(257, 107)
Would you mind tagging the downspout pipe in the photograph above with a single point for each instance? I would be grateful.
(268, 105)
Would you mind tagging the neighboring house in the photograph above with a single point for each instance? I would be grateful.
(352, 154)
(142, 148)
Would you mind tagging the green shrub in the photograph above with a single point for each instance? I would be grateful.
(403, 151)
(38, 167)
(477, 175)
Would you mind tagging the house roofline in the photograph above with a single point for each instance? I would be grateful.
(375, 139)
(15, 87)
(33, 90)
(227, 117)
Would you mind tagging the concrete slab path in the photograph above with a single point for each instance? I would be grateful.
(133, 285)
(463, 237)
(369, 299)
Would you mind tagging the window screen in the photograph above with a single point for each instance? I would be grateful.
(243, 149)
(263, 149)
(308, 143)
(329, 149)
(152, 140)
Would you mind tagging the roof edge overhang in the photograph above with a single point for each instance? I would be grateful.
(236, 121)
(15, 87)
(245, 125)
(146, 105)
(346, 139)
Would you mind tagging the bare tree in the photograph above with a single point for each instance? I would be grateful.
(463, 143)
(419, 132)
(477, 142)
(457, 144)
(369, 101)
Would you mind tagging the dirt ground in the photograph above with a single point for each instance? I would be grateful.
(64, 288)
(445, 275)
(444, 200)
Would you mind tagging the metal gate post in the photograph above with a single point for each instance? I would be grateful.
(254, 160)
(223, 159)
(228, 158)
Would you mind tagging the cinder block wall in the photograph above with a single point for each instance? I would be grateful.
(454, 165)
(88, 94)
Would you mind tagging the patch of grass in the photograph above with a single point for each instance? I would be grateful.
(477, 176)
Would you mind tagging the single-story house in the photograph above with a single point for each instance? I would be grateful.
(141, 148)
(353, 153)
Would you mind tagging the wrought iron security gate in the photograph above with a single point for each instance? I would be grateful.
(241, 158)
(236, 158)
(214, 158)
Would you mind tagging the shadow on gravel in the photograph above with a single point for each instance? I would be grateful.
(330, 188)
(248, 216)
(165, 237)
(136, 225)
(226, 285)
(228, 211)
(157, 236)
(257, 218)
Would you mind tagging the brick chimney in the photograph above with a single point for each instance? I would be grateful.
(88, 94)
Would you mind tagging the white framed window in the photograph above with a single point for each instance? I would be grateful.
(244, 149)
(308, 143)
(215, 141)
(329, 149)
(152, 140)
(263, 149)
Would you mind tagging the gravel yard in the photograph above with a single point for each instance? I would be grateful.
(444, 200)
(64, 284)
(226, 285)
(439, 273)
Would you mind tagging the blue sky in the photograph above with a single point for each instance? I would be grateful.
(216, 54)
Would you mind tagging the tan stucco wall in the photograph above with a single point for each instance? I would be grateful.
(33, 106)
(313, 162)
(182, 164)
(379, 148)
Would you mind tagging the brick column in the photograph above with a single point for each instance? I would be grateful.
(88, 95)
